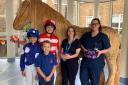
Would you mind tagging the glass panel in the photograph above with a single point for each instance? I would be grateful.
(118, 9)
(2, 16)
(86, 11)
(64, 8)
(75, 12)
(2, 7)
(104, 13)
(3, 46)
(56, 4)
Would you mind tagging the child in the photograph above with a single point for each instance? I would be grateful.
(27, 59)
(46, 65)
(49, 35)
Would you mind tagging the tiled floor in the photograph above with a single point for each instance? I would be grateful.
(10, 73)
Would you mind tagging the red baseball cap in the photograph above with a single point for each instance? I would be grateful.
(50, 22)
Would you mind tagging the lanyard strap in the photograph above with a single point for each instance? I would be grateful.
(67, 48)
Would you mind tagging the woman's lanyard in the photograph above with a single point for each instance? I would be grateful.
(67, 48)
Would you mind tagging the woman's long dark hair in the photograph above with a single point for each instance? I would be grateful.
(97, 19)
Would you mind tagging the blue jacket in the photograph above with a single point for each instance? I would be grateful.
(30, 52)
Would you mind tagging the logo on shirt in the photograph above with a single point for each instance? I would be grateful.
(34, 31)
(36, 55)
(51, 61)
(27, 49)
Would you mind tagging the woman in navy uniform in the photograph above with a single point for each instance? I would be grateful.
(69, 57)
(95, 44)
(30, 51)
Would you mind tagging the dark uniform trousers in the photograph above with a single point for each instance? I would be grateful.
(90, 71)
(69, 70)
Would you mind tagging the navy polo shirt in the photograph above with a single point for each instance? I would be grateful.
(46, 64)
(100, 41)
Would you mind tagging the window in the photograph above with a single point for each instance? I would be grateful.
(88, 20)
(2, 16)
(117, 21)
(104, 13)
(86, 11)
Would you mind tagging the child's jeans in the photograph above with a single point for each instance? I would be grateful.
(46, 83)
(30, 75)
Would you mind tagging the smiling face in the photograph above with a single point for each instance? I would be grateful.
(46, 46)
(95, 25)
(33, 39)
(49, 29)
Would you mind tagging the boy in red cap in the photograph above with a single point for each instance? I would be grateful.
(48, 35)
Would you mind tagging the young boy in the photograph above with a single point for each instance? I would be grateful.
(50, 27)
(27, 59)
(46, 65)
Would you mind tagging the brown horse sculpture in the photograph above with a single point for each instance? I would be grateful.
(36, 12)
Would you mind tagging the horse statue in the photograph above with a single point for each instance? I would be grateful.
(36, 12)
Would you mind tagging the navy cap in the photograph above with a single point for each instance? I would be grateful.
(32, 33)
